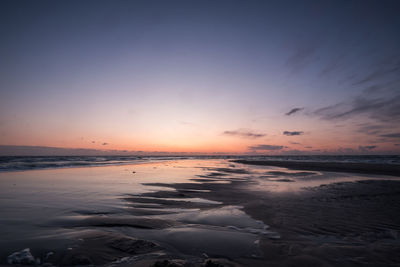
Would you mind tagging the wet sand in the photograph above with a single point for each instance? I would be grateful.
(367, 168)
(340, 224)
(228, 214)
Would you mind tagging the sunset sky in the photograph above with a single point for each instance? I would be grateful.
(270, 77)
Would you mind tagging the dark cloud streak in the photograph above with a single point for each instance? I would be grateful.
(293, 110)
(294, 143)
(244, 134)
(366, 148)
(288, 133)
(265, 147)
(392, 135)
(380, 109)
(388, 67)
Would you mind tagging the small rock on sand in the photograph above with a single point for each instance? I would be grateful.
(22, 257)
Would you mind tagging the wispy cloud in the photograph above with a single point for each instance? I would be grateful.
(293, 110)
(380, 109)
(266, 147)
(244, 134)
(345, 150)
(294, 143)
(377, 107)
(104, 144)
(288, 133)
(334, 65)
(379, 99)
(366, 148)
(371, 128)
(392, 135)
(386, 69)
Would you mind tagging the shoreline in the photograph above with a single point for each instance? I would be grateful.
(362, 168)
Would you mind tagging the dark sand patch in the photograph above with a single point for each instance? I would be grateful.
(145, 205)
(224, 180)
(197, 187)
(152, 211)
(194, 190)
(99, 248)
(93, 212)
(215, 174)
(105, 221)
(166, 194)
(214, 242)
(340, 224)
(345, 210)
(208, 180)
(294, 174)
(231, 170)
(367, 168)
(165, 261)
(286, 180)
(170, 203)
(353, 223)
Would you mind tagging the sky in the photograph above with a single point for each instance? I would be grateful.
(247, 77)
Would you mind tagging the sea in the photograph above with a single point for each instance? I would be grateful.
(21, 163)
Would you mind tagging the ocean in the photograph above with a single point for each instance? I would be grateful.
(20, 163)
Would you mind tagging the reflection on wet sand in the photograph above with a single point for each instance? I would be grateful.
(187, 212)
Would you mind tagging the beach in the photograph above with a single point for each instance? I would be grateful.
(201, 212)
(352, 167)
(200, 133)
